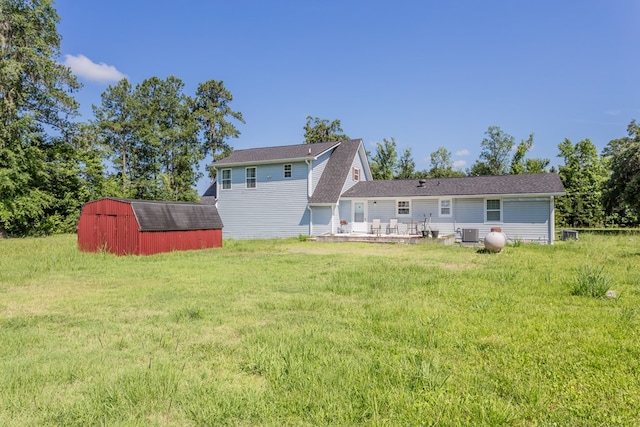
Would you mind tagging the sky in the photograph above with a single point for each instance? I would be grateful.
(427, 73)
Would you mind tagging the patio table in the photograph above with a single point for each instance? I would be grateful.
(411, 227)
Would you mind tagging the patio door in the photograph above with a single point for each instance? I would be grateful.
(359, 224)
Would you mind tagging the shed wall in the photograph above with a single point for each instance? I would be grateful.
(108, 225)
(153, 242)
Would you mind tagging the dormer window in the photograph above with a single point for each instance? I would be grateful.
(356, 174)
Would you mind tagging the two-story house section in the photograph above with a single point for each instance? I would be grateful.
(286, 191)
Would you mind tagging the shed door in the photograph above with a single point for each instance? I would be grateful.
(108, 233)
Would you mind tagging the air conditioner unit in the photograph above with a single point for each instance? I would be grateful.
(470, 235)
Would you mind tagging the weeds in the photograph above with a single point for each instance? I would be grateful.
(591, 282)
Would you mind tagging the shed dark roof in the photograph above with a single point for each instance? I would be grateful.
(335, 173)
(526, 184)
(275, 154)
(174, 216)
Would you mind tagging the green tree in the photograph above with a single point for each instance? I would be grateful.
(442, 165)
(622, 189)
(212, 109)
(322, 130)
(167, 151)
(384, 163)
(494, 157)
(36, 108)
(406, 165)
(157, 135)
(520, 164)
(113, 123)
(583, 174)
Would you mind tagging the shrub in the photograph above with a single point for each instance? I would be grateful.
(591, 282)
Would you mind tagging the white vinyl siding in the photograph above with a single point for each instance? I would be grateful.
(322, 220)
(276, 208)
(318, 168)
(355, 164)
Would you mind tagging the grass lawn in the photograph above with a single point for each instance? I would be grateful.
(284, 332)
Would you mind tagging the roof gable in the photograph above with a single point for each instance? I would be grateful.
(525, 184)
(335, 173)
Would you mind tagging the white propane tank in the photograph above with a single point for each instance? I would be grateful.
(495, 240)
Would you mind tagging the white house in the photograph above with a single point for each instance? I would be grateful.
(309, 189)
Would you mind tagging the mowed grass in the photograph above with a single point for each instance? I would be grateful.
(283, 332)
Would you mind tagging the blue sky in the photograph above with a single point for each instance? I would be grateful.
(427, 73)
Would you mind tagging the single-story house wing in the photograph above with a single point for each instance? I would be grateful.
(521, 205)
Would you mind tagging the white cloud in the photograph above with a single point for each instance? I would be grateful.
(459, 164)
(463, 152)
(86, 68)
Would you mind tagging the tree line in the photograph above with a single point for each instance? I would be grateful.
(148, 140)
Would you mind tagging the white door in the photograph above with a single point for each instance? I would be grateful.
(359, 224)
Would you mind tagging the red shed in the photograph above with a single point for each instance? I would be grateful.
(144, 227)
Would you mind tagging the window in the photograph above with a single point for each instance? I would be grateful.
(404, 207)
(226, 179)
(250, 177)
(287, 171)
(493, 211)
(356, 174)
(445, 207)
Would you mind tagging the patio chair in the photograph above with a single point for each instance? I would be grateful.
(375, 226)
(393, 226)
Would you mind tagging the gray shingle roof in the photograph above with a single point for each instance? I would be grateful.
(174, 216)
(275, 154)
(335, 173)
(542, 184)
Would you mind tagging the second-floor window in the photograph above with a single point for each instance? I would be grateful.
(356, 174)
(287, 171)
(250, 177)
(226, 179)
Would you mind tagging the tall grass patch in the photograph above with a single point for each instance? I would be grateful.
(591, 282)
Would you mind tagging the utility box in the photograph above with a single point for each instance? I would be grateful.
(470, 235)
(569, 235)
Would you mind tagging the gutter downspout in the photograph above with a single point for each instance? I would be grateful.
(309, 191)
(309, 178)
(217, 190)
(552, 220)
